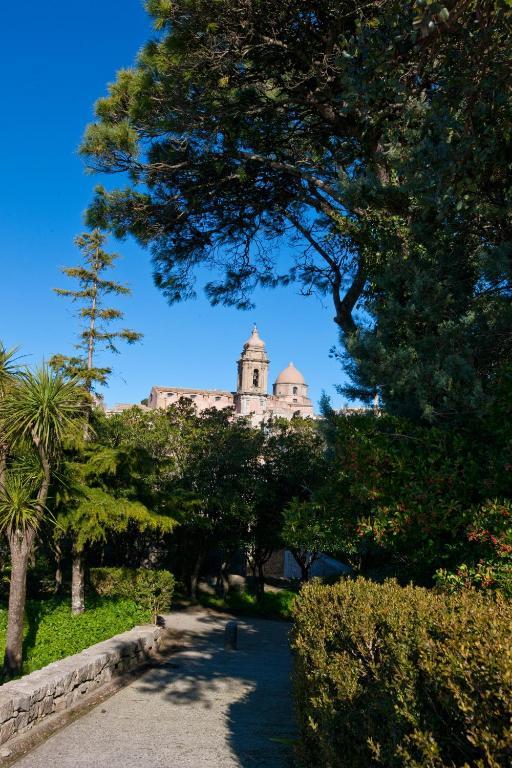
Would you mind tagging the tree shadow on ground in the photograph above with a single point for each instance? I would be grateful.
(249, 687)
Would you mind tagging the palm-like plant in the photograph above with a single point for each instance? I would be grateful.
(8, 366)
(43, 406)
(19, 507)
(8, 369)
(36, 408)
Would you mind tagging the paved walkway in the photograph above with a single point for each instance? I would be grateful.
(203, 707)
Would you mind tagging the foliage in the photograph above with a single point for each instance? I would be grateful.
(19, 507)
(416, 497)
(38, 411)
(151, 590)
(489, 552)
(485, 575)
(52, 632)
(8, 367)
(308, 530)
(109, 488)
(97, 318)
(402, 677)
(223, 481)
(97, 516)
(42, 406)
(209, 474)
(292, 466)
(277, 604)
(369, 135)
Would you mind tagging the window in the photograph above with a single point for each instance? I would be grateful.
(295, 391)
(256, 378)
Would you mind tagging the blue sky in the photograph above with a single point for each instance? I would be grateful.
(55, 61)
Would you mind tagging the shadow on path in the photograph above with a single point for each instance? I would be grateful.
(249, 688)
(199, 707)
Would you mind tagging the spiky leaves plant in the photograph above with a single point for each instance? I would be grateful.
(38, 409)
(8, 368)
(19, 507)
(43, 406)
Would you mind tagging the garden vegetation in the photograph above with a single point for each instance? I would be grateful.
(372, 140)
(402, 677)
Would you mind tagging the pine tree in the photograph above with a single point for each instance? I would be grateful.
(96, 332)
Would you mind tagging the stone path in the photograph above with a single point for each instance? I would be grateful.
(202, 707)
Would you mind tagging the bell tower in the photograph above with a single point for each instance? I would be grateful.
(252, 384)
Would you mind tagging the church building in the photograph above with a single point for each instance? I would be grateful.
(289, 396)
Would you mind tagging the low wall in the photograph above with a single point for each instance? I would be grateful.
(60, 686)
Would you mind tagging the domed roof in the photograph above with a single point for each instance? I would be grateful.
(254, 340)
(290, 375)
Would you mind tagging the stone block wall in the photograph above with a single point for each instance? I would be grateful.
(60, 686)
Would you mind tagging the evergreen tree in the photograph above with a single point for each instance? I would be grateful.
(96, 332)
(374, 135)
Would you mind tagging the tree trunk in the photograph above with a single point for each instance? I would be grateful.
(260, 583)
(77, 584)
(194, 577)
(57, 589)
(222, 585)
(20, 544)
(304, 560)
(304, 571)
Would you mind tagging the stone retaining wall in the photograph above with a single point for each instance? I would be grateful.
(60, 686)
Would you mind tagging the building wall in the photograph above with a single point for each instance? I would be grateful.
(251, 398)
(163, 397)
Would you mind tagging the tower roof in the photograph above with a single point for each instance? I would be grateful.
(290, 375)
(254, 340)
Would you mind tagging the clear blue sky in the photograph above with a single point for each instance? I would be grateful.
(55, 61)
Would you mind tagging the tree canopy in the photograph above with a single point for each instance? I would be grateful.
(372, 138)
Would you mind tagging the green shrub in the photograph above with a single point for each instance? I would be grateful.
(51, 632)
(151, 590)
(277, 605)
(402, 677)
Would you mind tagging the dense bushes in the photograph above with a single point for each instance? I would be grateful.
(151, 590)
(413, 499)
(402, 677)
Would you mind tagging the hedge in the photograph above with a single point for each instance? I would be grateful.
(151, 590)
(393, 677)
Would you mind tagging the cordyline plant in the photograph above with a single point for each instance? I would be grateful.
(38, 409)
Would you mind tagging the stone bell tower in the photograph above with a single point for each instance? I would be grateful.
(251, 390)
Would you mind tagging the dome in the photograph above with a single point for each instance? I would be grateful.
(290, 375)
(254, 341)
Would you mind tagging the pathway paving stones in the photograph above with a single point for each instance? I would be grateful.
(202, 707)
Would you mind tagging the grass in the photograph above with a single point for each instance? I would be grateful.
(275, 605)
(51, 632)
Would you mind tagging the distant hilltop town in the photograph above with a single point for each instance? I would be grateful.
(251, 399)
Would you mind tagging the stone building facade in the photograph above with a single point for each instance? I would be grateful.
(251, 398)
